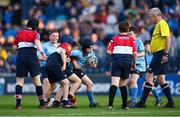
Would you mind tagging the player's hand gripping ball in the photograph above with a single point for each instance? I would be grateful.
(92, 61)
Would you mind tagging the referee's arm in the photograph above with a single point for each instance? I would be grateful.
(167, 44)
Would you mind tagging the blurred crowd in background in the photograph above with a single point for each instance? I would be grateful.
(86, 19)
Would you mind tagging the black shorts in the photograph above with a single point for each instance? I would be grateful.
(156, 67)
(79, 73)
(120, 70)
(43, 72)
(27, 63)
(68, 72)
(140, 73)
(55, 74)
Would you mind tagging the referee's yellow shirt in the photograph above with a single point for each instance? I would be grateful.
(160, 32)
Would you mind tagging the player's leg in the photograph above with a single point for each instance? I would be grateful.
(58, 98)
(124, 75)
(123, 89)
(51, 87)
(156, 95)
(129, 87)
(147, 89)
(19, 85)
(39, 91)
(115, 79)
(34, 70)
(21, 72)
(44, 77)
(89, 90)
(75, 84)
(45, 85)
(65, 87)
(134, 88)
(112, 90)
(166, 90)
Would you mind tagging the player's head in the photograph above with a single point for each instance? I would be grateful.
(67, 39)
(87, 45)
(147, 45)
(133, 32)
(154, 14)
(75, 45)
(123, 27)
(53, 36)
(33, 23)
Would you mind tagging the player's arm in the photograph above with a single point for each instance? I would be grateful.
(39, 46)
(110, 47)
(134, 54)
(63, 56)
(165, 32)
(142, 50)
(141, 54)
(166, 50)
(75, 63)
(167, 44)
(15, 43)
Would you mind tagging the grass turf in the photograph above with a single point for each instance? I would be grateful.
(30, 108)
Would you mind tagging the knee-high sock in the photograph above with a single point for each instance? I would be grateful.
(112, 93)
(146, 91)
(166, 90)
(134, 91)
(18, 95)
(40, 95)
(90, 95)
(124, 95)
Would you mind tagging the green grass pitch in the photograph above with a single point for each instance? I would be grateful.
(30, 108)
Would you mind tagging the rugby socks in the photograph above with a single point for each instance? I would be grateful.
(134, 92)
(91, 97)
(40, 95)
(146, 91)
(112, 93)
(18, 95)
(166, 90)
(156, 95)
(124, 95)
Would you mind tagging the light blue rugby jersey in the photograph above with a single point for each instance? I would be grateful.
(140, 63)
(48, 48)
(81, 59)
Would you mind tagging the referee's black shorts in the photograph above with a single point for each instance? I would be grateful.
(156, 66)
(27, 63)
(119, 70)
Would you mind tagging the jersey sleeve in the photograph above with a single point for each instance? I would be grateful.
(16, 40)
(110, 46)
(134, 45)
(74, 55)
(141, 46)
(37, 36)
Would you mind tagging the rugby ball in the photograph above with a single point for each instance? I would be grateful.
(92, 59)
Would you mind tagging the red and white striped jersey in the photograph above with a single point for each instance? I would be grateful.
(26, 38)
(122, 48)
(122, 44)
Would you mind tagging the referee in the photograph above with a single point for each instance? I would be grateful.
(159, 46)
(28, 41)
